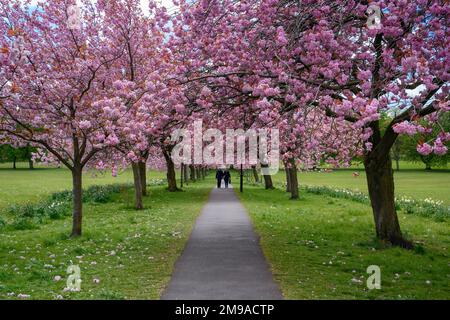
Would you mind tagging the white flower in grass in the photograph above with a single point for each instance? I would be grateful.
(96, 280)
(112, 253)
(57, 278)
(355, 280)
(23, 296)
(59, 297)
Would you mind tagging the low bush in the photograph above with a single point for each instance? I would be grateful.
(427, 207)
(58, 205)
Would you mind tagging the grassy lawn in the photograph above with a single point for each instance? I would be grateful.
(411, 182)
(320, 247)
(131, 253)
(30, 185)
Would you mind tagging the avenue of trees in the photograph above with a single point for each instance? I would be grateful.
(106, 88)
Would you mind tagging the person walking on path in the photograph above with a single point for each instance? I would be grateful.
(227, 178)
(219, 177)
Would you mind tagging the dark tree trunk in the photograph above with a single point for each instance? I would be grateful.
(186, 174)
(397, 164)
(380, 181)
(268, 182)
(288, 178)
(293, 180)
(267, 179)
(143, 176)
(14, 163)
(182, 176)
(171, 175)
(192, 172)
(30, 164)
(255, 174)
(77, 191)
(138, 204)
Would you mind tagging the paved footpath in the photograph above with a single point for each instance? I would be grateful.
(222, 258)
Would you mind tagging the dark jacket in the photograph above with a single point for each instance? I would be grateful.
(219, 174)
(227, 176)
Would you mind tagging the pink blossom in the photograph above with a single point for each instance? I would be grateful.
(439, 148)
(424, 149)
(405, 127)
(85, 125)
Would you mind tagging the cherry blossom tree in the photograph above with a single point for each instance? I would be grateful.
(333, 56)
(138, 80)
(63, 74)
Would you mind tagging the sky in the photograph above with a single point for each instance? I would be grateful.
(144, 3)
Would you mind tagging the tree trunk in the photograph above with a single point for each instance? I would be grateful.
(143, 176)
(293, 180)
(380, 181)
(192, 172)
(267, 179)
(30, 164)
(186, 174)
(77, 198)
(137, 186)
(288, 178)
(14, 163)
(268, 182)
(397, 164)
(171, 175)
(255, 174)
(182, 176)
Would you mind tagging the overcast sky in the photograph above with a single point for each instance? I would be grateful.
(144, 3)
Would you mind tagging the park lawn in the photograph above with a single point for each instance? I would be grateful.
(415, 183)
(320, 248)
(31, 185)
(131, 252)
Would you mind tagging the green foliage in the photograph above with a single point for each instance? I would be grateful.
(408, 145)
(57, 206)
(9, 154)
(427, 207)
(2, 223)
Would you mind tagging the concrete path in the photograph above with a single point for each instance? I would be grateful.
(222, 259)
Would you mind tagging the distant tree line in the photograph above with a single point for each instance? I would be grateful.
(12, 154)
(405, 147)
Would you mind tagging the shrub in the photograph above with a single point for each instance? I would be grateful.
(23, 224)
(427, 207)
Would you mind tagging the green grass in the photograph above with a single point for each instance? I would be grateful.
(318, 244)
(31, 185)
(415, 183)
(146, 245)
